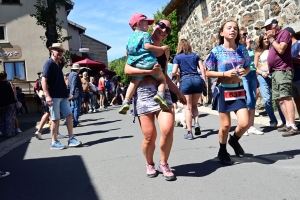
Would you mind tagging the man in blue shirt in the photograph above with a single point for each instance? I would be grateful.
(56, 93)
(296, 65)
(76, 92)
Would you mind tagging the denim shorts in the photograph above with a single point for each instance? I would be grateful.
(250, 85)
(191, 85)
(60, 105)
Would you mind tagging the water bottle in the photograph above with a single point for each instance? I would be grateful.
(239, 67)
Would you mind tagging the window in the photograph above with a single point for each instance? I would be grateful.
(204, 10)
(91, 56)
(2, 33)
(11, 1)
(15, 70)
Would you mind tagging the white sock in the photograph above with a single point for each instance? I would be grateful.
(293, 126)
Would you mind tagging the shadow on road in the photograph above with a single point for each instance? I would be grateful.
(64, 177)
(101, 123)
(95, 132)
(102, 140)
(207, 167)
(203, 115)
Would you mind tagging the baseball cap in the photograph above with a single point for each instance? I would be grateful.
(135, 18)
(270, 21)
(290, 30)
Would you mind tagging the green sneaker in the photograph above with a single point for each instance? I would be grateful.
(124, 108)
(162, 102)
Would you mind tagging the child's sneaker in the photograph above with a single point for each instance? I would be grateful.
(162, 102)
(123, 110)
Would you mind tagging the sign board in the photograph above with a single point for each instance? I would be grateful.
(10, 51)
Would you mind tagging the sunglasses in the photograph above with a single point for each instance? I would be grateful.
(163, 26)
(245, 34)
(58, 50)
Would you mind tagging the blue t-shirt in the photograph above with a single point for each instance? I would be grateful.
(136, 48)
(107, 85)
(296, 54)
(56, 83)
(222, 60)
(188, 63)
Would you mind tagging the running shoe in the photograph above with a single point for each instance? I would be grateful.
(124, 108)
(162, 102)
(224, 157)
(151, 172)
(74, 142)
(38, 135)
(188, 135)
(60, 136)
(238, 150)
(4, 174)
(57, 145)
(166, 171)
(197, 129)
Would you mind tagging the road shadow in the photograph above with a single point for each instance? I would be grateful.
(64, 177)
(104, 122)
(209, 166)
(103, 140)
(89, 120)
(267, 129)
(203, 115)
(95, 132)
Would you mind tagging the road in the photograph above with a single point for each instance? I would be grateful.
(110, 165)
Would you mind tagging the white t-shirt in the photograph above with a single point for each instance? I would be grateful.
(92, 86)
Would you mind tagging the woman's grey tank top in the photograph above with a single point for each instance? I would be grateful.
(264, 56)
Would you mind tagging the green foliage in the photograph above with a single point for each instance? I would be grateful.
(46, 11)
(172, 39)
(118, 66)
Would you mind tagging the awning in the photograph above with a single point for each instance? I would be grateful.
(91, 64)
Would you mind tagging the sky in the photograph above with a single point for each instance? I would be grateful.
(108, 20)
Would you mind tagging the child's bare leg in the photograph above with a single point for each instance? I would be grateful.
(129, 93)
(161, 80)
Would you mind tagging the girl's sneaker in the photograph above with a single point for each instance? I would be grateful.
(151, 172)
(197, 129)
(161, 102)
(166, 171)
(188, 135)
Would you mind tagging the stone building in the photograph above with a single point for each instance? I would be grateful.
(97, 50)
(199, 20)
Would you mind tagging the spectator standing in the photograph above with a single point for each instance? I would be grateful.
(76, 93)
(37, 87)
(86, 92)
(93, 95)
(296, 65)
(56, 94)
(101, 90)
(191, 85)
(7, 107)
(250, 83)
(281, 66)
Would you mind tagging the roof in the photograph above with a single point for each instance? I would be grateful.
(108, 47)
(170, 7)
(69, 6)
(81, 28)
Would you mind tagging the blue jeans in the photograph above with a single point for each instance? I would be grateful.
(76, 107)
(191, 85)
(93, 101)
(250, 85)
(266, 93)
(60, 105)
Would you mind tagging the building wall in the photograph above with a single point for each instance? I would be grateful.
(250, 14)
(99, 49)
(22, 30)
(75, 42)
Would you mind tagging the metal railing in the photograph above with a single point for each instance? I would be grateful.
(26, 86)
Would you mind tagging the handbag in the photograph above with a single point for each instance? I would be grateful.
(18, 104)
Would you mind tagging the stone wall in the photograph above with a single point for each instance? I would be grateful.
(250, 14)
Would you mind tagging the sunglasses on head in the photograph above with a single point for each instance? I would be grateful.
(163, 26)
(245, 34)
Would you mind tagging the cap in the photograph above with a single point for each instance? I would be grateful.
(270, 21)
(138, 17)
(290, 30)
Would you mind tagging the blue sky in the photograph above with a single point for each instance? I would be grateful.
(107, 20)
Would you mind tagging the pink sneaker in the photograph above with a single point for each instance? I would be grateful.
(166, 171)
(151, 172)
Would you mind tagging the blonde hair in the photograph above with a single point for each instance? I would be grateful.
(184, 47)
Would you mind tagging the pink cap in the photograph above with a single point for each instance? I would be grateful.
(138, 17)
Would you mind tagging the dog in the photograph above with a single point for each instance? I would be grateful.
(180, 118)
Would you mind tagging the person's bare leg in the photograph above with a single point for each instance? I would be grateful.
(290, 108)
(284, 110)
(188, 111)
(195, 112)
(43, 121)
(16, 122)
(161, 80)
(131, 88)
(243, 121)
(297, 103)
(54, 130)
(70, 125)
(225, 127)
(251, 117)
(150, 134)
(166, 125)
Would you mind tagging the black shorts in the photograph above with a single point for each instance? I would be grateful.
(86, 97)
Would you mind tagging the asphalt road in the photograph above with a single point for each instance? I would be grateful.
(110, 165)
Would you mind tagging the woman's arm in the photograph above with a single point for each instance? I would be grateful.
(175, 69)
(214, 74)
(200, 64)
(256, 57)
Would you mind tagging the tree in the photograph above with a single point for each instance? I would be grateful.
(118, 66)
(172, 39)
(46, 11)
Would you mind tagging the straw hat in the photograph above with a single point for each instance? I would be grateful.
(75, 66)
(57, 46)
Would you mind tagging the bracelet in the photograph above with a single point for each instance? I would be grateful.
(271, 41)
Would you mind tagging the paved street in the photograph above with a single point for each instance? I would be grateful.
(110, 165)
